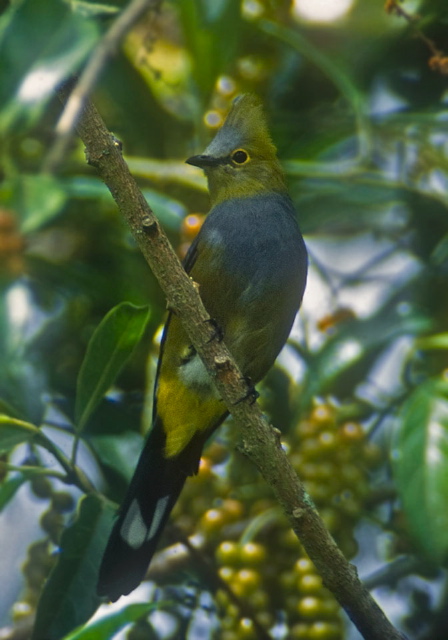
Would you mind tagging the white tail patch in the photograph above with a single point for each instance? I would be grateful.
(133, 530)
(159, 512)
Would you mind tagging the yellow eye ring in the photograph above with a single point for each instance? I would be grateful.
(240, 156)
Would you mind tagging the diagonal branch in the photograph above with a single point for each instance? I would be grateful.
(261, 443)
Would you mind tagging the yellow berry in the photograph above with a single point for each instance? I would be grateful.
(309, 607)
(245, 581)
(38, 551)
(310, 583)
(217, 452)
(191, 225)
(228, 553)
(304, 566)
(300, 631)
(205, 473)
(322, 414)
(34, 574)
(226, 573)
(52, 523)
(253, 553)
(328, 441)
(246, 629)
(41, 487)
(232, 509)
(352, 432)
(21, 610)
(321, 630)
(212, 520)
(31, 596)
(62, 501)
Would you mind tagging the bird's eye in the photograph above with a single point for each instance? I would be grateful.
(240, 156)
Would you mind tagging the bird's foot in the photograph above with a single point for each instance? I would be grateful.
(218, 333)
(252, 394)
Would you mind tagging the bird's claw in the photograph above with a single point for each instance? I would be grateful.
(217, 331)
(252, 394)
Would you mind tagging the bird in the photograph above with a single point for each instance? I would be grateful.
(250, 262)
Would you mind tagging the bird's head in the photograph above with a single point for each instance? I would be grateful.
(241, 160)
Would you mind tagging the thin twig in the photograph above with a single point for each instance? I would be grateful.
(391, 573)
(74, 474)
(439, 59)
(29, 470)
(106, 48)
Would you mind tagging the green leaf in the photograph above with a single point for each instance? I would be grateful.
(8, 409)
(41, 43)
(93, 9)
(69, 598)
(110, 346)
(119, 451)
(169, 211)
(420, 465)
(202, 24)
(8, 489)
(168, 171)
(37, 199)
(14, 432)
(111, 624)
(438, 341)
(345, 357)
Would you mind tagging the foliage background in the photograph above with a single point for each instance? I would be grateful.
(358, 111)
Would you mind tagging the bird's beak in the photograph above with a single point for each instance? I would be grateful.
(202, 161)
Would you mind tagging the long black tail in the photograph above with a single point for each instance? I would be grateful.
(153, 492)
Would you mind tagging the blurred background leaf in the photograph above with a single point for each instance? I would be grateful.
(420, 466)
(69, 598)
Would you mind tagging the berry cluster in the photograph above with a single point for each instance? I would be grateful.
(40, 555)
(266, 576)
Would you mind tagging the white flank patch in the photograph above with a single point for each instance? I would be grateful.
(194, 373)
(159, 512)
(133, 530)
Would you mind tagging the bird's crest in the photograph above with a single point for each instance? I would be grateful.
(247, 120)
